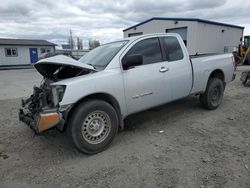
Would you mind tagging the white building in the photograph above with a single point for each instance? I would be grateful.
(200, 36)
(22, 51)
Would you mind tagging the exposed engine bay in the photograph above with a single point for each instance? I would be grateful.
(36, 108)
(46, 96)
(41, 98)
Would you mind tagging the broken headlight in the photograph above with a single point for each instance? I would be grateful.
(58, 92)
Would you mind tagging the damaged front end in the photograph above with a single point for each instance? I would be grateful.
(41, 110)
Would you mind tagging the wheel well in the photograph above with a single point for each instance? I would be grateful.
(218, 74)
(101, 96)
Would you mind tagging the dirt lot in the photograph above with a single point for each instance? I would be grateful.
(176, 145)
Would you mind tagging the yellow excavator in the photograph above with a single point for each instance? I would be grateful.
(244, 51)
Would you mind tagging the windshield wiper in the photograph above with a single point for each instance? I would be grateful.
(91, 65)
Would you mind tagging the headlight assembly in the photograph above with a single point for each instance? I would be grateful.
(58, 92)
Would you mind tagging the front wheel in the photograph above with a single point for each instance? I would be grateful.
(92, 126)
(212, 98)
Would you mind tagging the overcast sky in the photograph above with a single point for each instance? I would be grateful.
(105, 20)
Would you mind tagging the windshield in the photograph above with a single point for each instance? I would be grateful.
(102, 55)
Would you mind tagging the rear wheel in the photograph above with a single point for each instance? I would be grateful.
(244, 78)
(212, 98)
(92, 126)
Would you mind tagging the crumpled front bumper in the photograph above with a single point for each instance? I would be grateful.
(41, 121)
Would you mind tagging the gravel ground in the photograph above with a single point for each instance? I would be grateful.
(176, 145)
(18, 83)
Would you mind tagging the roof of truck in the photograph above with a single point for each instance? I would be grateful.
(184, 19)
(148, 35)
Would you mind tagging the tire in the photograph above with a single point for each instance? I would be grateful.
(244, 78)
(213, 95)
(92, 126)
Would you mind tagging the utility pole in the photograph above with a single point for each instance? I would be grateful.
(71, 41)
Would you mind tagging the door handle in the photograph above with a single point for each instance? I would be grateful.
(163, 69)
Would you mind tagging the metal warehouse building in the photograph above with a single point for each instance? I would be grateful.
(22, 51)
(200, 36)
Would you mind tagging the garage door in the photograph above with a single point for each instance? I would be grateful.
(181, 31)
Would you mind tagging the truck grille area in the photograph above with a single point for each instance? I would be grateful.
(39, 106)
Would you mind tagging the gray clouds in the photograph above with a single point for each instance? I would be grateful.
(105, 20)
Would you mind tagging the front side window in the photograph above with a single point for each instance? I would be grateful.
(149, 49)
(172, 48)
(11, 52)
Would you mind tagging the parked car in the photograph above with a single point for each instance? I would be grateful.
(90, 98)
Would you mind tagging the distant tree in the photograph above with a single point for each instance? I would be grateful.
(93, 44)
(79, 43)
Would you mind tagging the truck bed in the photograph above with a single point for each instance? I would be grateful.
(204, 64)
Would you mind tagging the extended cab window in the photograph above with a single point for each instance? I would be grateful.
(149, 49)
(172, 48)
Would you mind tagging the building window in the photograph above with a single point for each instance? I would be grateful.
(10, 52)
(44, 50)
(134, 34)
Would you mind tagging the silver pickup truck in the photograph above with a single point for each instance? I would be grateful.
(90, 98)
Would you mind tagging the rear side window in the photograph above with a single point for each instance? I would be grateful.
(172, 48)
(149, 49)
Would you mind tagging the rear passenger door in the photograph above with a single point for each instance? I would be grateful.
(146, 85)
(180, 70)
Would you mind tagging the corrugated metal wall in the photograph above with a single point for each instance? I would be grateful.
(217, 39)
(201, 38)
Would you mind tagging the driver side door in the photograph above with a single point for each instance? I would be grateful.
(147, 85)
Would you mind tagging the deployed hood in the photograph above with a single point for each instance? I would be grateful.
(61, 67)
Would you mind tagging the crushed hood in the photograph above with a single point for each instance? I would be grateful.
(61, 67)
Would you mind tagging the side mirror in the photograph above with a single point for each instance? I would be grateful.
(131, 61)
